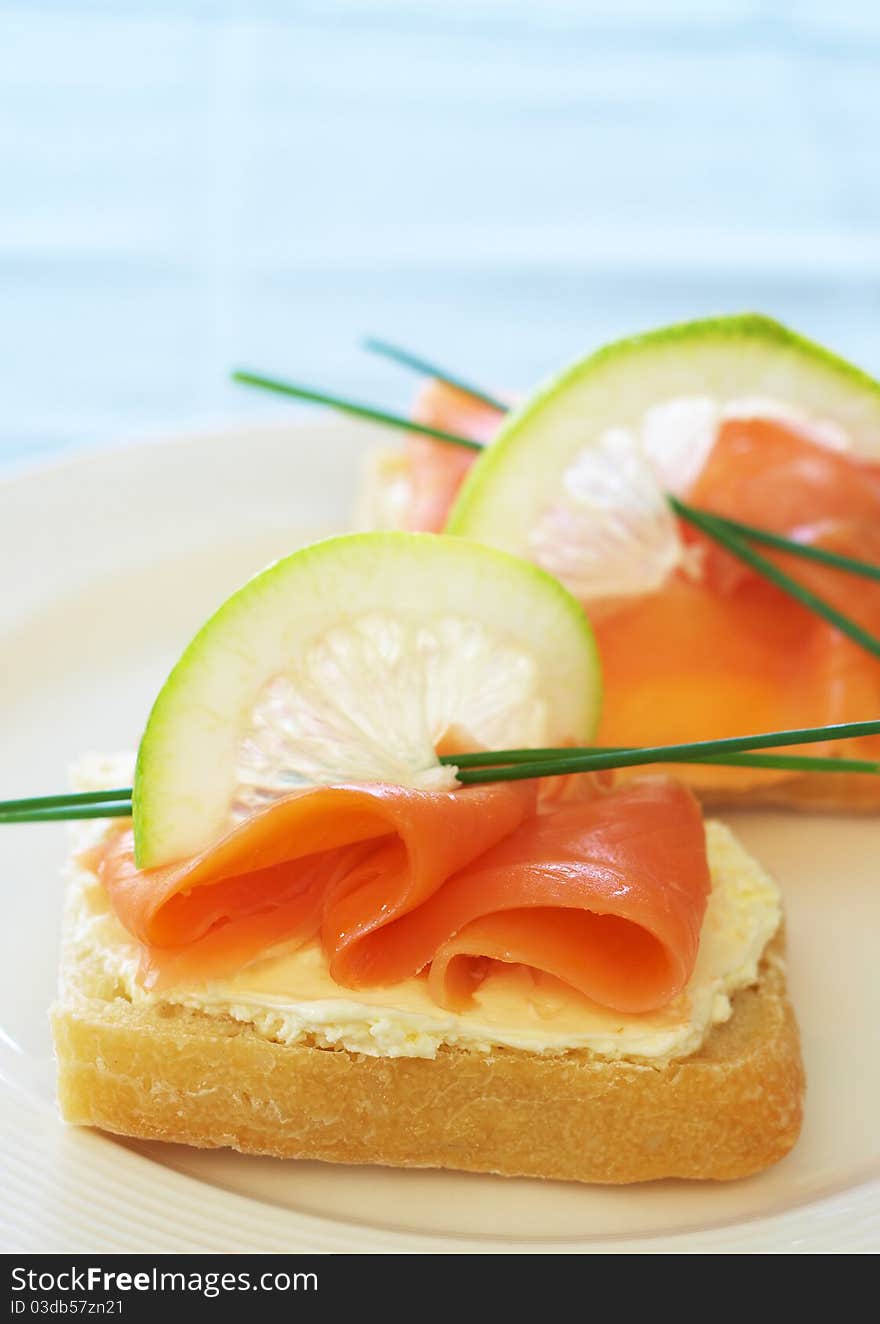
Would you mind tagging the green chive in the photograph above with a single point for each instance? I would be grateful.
(802, 735)
(795, 763)
(786, 762)
(352, 407)
(807, 552)
(512, 765)
(509, 764)
(112, 809)
(429, 369)
(734, 544)
(71, 798)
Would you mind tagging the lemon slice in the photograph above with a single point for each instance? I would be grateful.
(575, 480)
(353, 660)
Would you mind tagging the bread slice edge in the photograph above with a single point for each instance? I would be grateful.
(173, 1074)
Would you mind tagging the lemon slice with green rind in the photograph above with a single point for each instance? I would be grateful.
(575, 479)
(354, 659)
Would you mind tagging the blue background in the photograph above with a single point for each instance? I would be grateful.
(186, 186)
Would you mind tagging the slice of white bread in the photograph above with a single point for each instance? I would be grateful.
(160, 1072)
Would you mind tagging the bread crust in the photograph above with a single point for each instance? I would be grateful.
(168, 1073)
(813, 792)
(828, 792)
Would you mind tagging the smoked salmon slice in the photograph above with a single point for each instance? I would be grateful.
(731, 654)
(437, 469)
(268, 880)
(607, 893)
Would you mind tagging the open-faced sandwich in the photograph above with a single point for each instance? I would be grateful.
(340, 924)
(605, 477)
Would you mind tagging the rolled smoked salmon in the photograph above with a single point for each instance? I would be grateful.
(607, 893)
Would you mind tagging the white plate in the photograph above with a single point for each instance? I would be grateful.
(110, 562)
